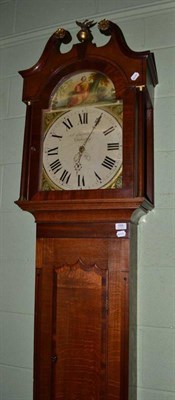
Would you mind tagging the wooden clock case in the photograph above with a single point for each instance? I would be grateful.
(82, 256)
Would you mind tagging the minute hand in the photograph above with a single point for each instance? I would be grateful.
(78, 156)
(95, 124)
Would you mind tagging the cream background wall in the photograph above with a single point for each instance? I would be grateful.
(25, 26)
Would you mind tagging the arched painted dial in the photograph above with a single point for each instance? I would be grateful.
(82, 149)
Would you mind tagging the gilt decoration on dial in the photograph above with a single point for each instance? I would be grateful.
(82, 131)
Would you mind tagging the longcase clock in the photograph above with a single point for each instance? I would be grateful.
(87, 169)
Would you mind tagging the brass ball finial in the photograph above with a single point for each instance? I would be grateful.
(85, 35)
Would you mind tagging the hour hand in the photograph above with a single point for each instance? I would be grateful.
(77, 164)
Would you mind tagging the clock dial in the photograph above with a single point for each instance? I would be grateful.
(83, 149)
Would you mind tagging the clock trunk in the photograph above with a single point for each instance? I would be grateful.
(81, 326)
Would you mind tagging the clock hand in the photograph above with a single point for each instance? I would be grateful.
(82, 149)
(77, 159)
(95, 124)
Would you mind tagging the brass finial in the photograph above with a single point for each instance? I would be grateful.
(104, 27)
(85, 35)
(63, 36)
(60, 33)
